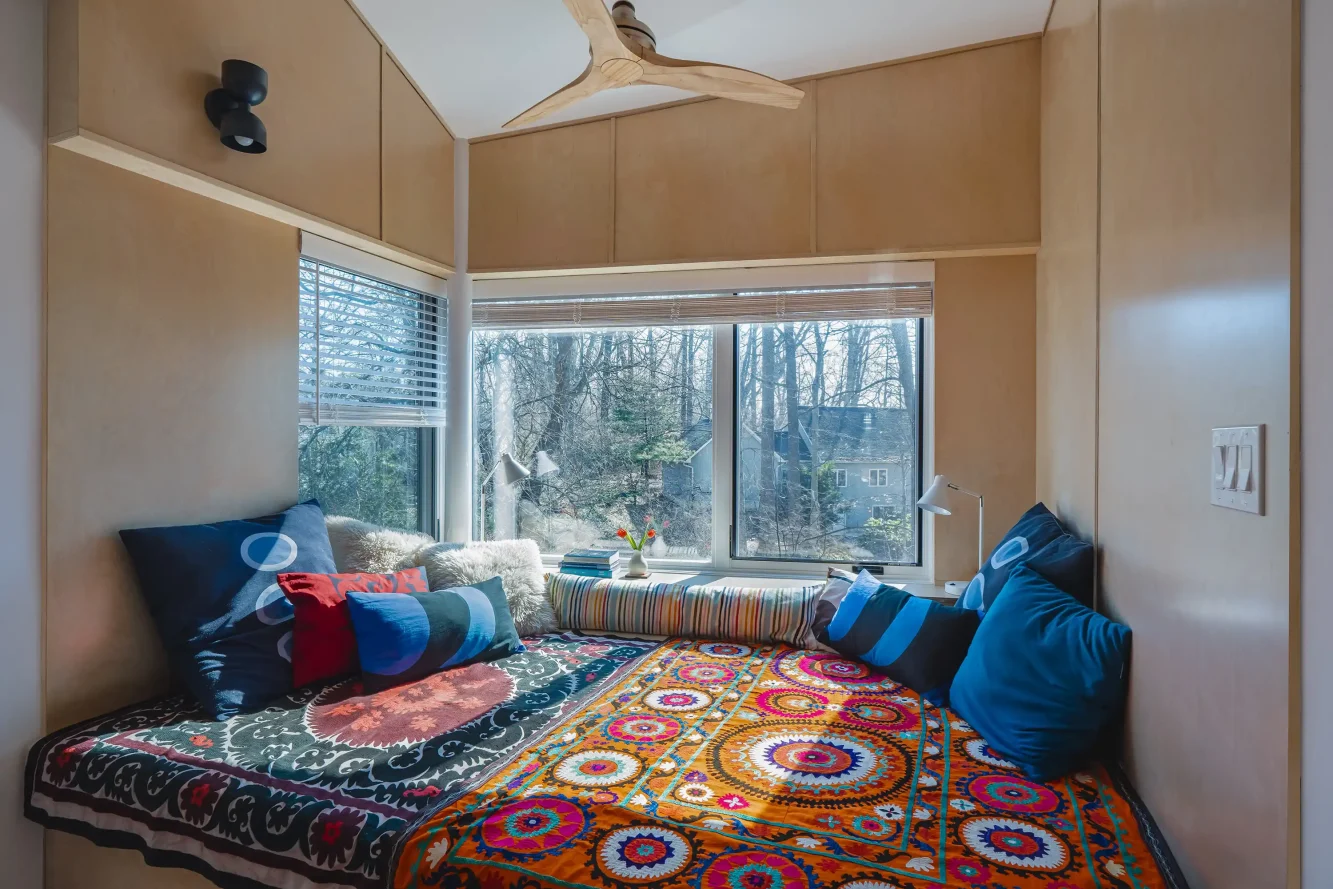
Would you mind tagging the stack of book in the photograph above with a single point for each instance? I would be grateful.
(592, 563)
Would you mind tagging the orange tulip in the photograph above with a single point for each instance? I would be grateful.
(651, 533)
(622, 533)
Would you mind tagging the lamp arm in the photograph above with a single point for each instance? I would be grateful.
(981, 523)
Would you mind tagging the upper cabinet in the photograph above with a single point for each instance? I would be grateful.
(940, 153)
(418, 171)
(543, 200)
(131, 76)
(936, 154)
(714, 180)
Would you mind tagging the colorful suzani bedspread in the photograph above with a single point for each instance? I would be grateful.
(317, 789)
(722, 766)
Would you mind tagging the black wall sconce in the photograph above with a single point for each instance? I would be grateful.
(243, 85)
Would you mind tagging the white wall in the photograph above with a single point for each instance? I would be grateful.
(21, 176)
(1317, 445)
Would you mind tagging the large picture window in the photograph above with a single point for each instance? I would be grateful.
(755, 429)
(371, 396)
(624, 413)
(827, 441)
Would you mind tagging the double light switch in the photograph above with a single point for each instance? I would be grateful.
(1237, 475)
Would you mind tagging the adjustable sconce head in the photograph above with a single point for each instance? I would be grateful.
(244, 85)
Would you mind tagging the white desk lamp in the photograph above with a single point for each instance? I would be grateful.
(511, 471)
(933, 501)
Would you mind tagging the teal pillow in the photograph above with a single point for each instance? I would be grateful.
(1044, 677)
(412, 635)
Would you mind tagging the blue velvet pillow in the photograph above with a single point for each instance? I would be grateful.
(213, 593)
(1069, 564)
(916, 642)
(405, 637)
(1044, 677)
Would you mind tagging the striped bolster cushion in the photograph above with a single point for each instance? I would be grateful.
(733, 614)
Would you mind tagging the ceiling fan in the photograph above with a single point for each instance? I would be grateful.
(624, 52)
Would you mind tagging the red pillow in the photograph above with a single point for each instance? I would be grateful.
(323, 644)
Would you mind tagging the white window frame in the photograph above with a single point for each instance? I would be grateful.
(351, 259)
(874, 476)
(839, 478)
(721, 562)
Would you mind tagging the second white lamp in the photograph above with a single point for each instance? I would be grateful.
(937, 496)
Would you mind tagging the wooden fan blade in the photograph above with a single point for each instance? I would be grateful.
(722, 81)
(590, 81)
(603, 35)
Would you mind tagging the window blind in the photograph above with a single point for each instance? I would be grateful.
(734, 307)
(371, 353)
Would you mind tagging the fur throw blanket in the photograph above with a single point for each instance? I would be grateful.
(358, 546)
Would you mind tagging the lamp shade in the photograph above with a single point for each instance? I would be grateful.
(936, 496)
(545, 465)
(511, 470)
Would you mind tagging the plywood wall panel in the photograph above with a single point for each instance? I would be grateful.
(418, 171)
(714, 180)
(171, 398)
(941, 152)
(1067, 268)
(542, 200)
(1196, 331)
(144, 67)
(985, 399)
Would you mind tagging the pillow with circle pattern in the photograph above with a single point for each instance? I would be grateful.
(1038, 540)
(213, 593)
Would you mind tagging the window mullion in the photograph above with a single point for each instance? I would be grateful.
(724, 433)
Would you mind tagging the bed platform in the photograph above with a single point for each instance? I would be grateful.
(608, 763)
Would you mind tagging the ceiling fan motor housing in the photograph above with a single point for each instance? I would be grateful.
(630, 26)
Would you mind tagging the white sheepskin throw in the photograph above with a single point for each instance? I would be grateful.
(517, 562)
(362, 547)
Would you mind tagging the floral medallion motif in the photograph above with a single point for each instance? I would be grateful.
(643, 854)
(830, 671)
(598, 768)
(753, 870)
(725, 650)
(791, 703)
(1010, 793)
(878, 714)
(533, 827)
(678, 700)
(796, 765)
(1014, 843)
(411, 713)
(646, 729)
(706, 674)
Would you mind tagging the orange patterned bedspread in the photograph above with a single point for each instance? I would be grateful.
(720, 766)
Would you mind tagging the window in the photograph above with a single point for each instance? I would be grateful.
(626, 415)
(770, 426)
(813, 395)
(371, 396)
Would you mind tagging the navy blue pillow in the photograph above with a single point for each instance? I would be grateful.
(1030, 535)
(916, 642)
(213, 593)
(406, 637)
(1044, 677)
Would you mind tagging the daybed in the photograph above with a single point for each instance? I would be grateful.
(591, 761)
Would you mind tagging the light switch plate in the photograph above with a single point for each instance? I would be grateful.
(1239, 452)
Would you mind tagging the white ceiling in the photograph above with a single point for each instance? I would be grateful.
(482, 62)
